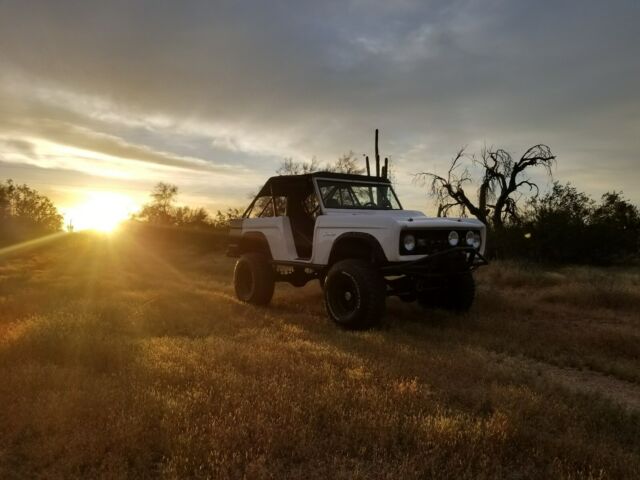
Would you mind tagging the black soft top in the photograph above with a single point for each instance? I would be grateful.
(282, 185)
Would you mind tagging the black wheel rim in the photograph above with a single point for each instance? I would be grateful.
(244, 280)
(343, 296)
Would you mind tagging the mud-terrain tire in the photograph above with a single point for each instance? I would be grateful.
(460, 294)
(253, 279)
(457, 294)
(354, 294)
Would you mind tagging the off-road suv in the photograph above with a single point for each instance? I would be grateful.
(351, 233)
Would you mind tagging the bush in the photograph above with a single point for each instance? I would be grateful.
(567, 226)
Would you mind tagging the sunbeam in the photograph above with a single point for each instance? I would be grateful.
(31, 243)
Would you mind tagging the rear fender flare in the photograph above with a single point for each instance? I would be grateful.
(255, 242)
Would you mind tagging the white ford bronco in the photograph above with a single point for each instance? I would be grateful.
(351, 233)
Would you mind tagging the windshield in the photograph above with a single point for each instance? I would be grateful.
(362, 195)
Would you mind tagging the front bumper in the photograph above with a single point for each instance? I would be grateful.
(456, 259)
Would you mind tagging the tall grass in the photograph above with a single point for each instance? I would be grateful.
(117, 359)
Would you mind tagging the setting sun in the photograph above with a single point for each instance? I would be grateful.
(101, 211)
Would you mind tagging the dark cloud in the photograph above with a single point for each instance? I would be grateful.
(255, 81)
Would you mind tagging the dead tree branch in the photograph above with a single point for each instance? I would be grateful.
(500, 180)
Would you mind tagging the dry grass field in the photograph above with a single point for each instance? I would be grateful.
(123, 360)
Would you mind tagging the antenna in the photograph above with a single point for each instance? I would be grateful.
(385, 169)
(377, 156)
(368, 167)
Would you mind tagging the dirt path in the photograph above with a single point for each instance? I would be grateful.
(622, 392)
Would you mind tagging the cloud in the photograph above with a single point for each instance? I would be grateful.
(55, 125)
(230, 88)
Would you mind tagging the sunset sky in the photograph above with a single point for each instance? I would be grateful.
(108, 98)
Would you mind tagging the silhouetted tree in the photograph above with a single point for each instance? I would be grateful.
(223, 219)
(568, 226)
(163, 211)
(161, 208)
(191, 217)
(347, 163)
(615, 228)
(616, 212)
(5, 199)
(291, 167)
(24, 213)
(564, 200)
(557, 224)
(500, 181)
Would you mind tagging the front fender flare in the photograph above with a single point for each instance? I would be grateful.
(377, 253)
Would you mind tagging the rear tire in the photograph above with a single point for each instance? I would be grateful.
(253, 279)
(355, 294)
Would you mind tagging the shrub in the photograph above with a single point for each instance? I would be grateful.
(568, 226)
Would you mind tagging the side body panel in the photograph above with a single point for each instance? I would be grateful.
(277, 231)
(329, 227)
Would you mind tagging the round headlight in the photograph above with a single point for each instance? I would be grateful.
(409, 242)
(453, 238)
(470, 238)
(473, 239)
(476, 240)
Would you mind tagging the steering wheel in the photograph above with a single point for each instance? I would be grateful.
(370, 205)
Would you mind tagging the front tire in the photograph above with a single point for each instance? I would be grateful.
(460, 293)
(456, 294)
(253, 279)
(354, 294)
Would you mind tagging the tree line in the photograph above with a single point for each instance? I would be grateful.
(561, 225)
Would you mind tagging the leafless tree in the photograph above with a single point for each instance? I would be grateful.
(500, 185)
(291, 167)
(347, 163)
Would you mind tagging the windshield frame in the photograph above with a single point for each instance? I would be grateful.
(358, 182)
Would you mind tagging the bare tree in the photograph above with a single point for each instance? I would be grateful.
(500, 184)
(291, 167)
(347, 163)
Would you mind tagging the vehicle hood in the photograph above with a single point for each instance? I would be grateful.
(406, 218)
